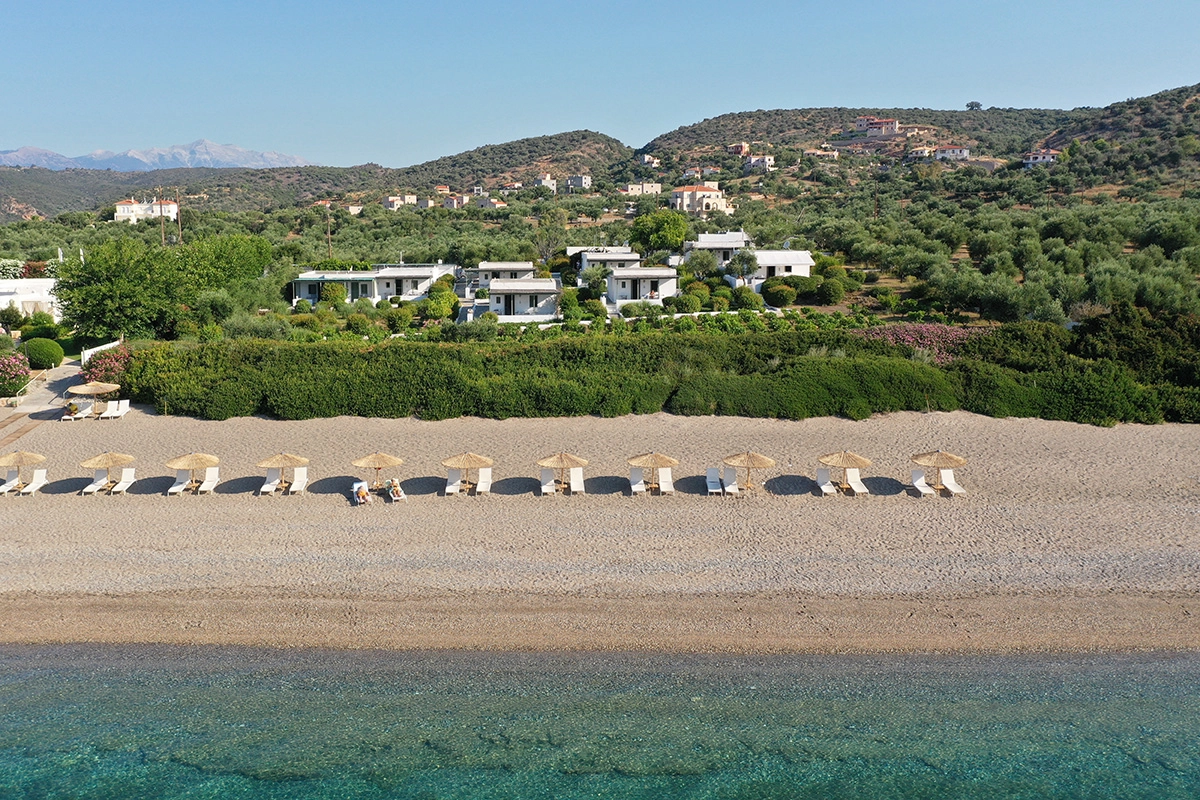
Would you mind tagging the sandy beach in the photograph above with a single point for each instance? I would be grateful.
(1071, 538)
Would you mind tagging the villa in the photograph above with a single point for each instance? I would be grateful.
(700, 199)
(132, 211)
(1038, 158)
(611, 257)
(30, 295)
(381, 282)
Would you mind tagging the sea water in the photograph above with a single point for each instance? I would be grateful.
(165, 722)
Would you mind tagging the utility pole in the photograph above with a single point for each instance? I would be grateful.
(179, 215)
(329, 230)
(162, 222)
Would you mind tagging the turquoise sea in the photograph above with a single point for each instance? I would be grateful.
(92, 721)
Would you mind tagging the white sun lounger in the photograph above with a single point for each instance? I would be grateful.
(299, 481)
(210, 480)
(39, 480)
(82, 412)
(484, 484)
(355, 488)
(947, 476)
(99, 481)
(10, 483)
(577, 480)
(548, 484)
(182, 478)
(453, 481)
(824, 483)
(918, 482)
(666, 484)
(111, 411)
(856, 484)
(126, 481)
(713, 478)
(637, 481)
(729, 480)
(122, 408)
(274, 475)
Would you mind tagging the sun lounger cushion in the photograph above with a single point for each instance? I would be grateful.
(713, 478)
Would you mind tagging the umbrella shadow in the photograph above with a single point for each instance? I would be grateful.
(884, 487)
(244, 485)
(426, 484)
(607, 484)
(512, 487)
(335, 484)
(66, 486)
(692, 484)
(157, 485)
(790, 485)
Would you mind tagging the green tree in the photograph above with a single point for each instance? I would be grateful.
(702, 263)
(333, 293)
(662, 230)
(551, 234)
(122, 288)
(743, 263)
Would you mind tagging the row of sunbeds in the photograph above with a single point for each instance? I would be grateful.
(115, 410)
(726, 484)
(12, 484)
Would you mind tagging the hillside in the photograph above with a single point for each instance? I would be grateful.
(25, 191)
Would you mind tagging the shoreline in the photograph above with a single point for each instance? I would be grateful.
(734, 625)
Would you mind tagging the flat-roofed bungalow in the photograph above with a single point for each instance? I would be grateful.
(631, 284)
(524, 299)
(487, 271)
(382, 282)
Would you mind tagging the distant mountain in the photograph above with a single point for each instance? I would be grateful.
(200, 153)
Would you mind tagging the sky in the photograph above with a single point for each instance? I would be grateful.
(397, 83)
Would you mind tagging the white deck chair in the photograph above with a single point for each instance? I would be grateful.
(111, 411)
(548, 484)
(82, 412)
(730, 481)
(484, 484)
(99, 481)
(713, 478)
(637, 481)
(856, 484)
(274, 475)
(211, 476)
(182, 478)
(126, 481)
(918, 482)
(39, 480)
(666, 484)
(824, 483)
(951, 485)
(577, 480)
(10, 483)
(122, 408)
(453, 481)
(299, 481)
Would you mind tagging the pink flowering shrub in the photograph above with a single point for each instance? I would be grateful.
(14, 373)
(108, 366)
(940, 341)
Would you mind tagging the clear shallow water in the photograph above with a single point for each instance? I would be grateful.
(158, 722)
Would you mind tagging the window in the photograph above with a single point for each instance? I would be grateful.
(533, 301)
(512, 275)
(624, 285)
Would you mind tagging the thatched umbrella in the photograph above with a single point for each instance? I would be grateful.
(846, 460)
(467, 462)
(939, 459)
(21, 458)
(282, 461)
(654, 461)
(562, 462)
(106, 461)
(94, 388)
(748, 461)
(193, 462)
(377, 461)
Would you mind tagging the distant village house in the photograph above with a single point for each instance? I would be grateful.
(394, 202)
(1037, 158)
(700, 199)
(132, 211)
(952, 153)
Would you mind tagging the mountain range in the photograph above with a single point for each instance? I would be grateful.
(200, 153)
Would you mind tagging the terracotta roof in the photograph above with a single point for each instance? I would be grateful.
(694, 189)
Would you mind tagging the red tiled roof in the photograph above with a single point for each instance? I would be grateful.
(694, 189)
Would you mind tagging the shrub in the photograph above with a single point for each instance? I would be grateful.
(108, 366)
(831, 292)
(333, 293)
(746, 297)
(400, 319)
(302, 307)
(720, 303)
(595, 309)
(482, 293)
(14, 373)
(779, 296)
(43, 353)
(31, 331)
(249, 326)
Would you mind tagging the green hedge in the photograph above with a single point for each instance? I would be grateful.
(43, 353)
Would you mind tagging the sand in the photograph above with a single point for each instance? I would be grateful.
(1071, 538)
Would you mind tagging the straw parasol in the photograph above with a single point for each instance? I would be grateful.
(846, 460)
(939, 459)
(106, 461)
(377, 461)
(193, 462)
(467, 462)
(21, 458)
(94, 388)
(654, 461)
(282, 461)
(748, 461)
(562, 462)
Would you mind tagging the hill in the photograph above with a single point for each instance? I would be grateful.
(200, 153)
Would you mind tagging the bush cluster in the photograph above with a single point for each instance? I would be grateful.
(43, 353)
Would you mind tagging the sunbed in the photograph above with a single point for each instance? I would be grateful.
(577, 480)
(951, 485)
(666, 484)
(210, 480)
(10, 484)
(183, 478)
(453, 481)
(99, 481)
(855, 482)
(549, 485)
(484, 484)
(82, 412)
(274, 475)
(824, 483)
(299, 481)
(713, 478)
(126, 481)
(637, 481)
(729, 480)
(918, 482)
(39, 480)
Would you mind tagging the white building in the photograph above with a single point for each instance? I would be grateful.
(641, 188)
(920, 152)
(381, 282)
(524, 299)
(545, 180)
(874, 126)
(457, 201)
(30, 295)
(131, 211)
(396, 201)
(580, 182)
(722, 245)
(631, 284)
(488, 271)
(429, 202)
(613, 258)
(354, 209)
(1038, 158)
(490, 202)
(782, 263)
(817, 153)
(650, 161)
(699, 199)
(952, 153)
(753, 163)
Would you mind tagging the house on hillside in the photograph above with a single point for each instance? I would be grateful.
(524, 299)
(738, 149)
(354, 209)
(482, 276)
(429, 202)
(650, 161)
(381, 282)
(456, 201)
(875, 126)
(821, 153)
(579, 183)
(753, 163)
(490, 202)
(781, 264)
(691, 172)
(634, 283)
(1037, 158)
(132, 211)
(441, 189)
(611, 257)
(952, 152)
(722, 245)
(920, 152)
(545, 180)
(700, 200)
(395, 202)
(636, 189)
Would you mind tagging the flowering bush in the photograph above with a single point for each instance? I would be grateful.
(14, 373)
(108, 366)
(940, 342)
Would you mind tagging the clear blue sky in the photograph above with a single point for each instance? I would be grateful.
(402, 82)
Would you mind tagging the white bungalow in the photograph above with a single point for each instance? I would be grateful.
(631, 284)
(30, 295)
(782, 263)
(488, 271)
(723, 245)
(611, 257)
(381, 282)
(525, 299)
